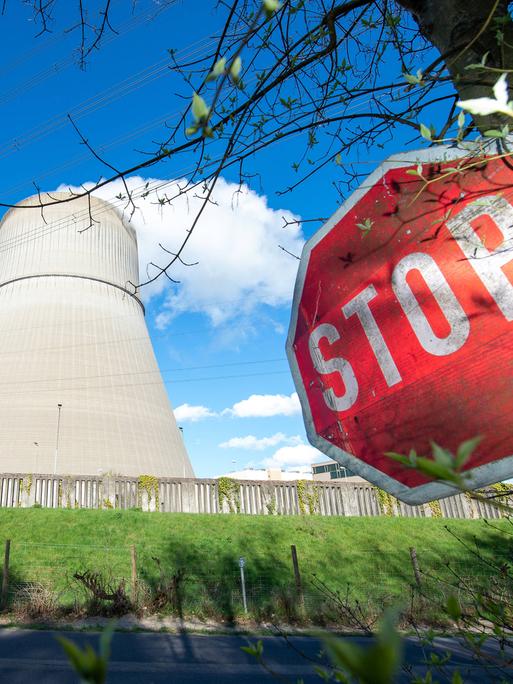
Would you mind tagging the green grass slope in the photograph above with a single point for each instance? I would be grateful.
(371, 555)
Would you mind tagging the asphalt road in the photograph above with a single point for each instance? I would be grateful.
(155, 658)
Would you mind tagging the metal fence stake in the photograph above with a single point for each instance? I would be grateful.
(415, 564)
(297, 575)
(133, 557)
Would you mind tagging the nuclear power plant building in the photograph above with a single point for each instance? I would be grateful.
(80, 389)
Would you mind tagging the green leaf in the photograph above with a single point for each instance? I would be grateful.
(435, 470)
(427, 466)
(270, 7)
(200, 111)
(293, 9)
(322, 673)
(376, 664)
(288, 102)
(192, 130)
(493, 133)
(345, 655)
(461, 119)
(456, 678)
(218, 69)
(412, 172)
(465, 450)
(338, 159)
(74, 653)
(341, 677)
(412, 457)
(442, 456)
(411, 79)
(453, 607)
(255, 650)
(400, 458)
(105, 640)
(365, 226)
(235, 69)
(425, 132)
(91, 668)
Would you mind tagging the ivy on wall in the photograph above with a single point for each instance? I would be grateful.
(150, 485)
(271, 506)
(506, 491)
(386, 502)
(228, 490)
(24, 486)
(308, 497)
(436, 509)
(502, 488)
(268, 496)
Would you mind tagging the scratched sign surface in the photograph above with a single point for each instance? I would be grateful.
(402, 323)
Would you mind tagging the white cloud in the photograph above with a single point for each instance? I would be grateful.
(255, 406)
(236, 243)
(265, 406)
(253, 443)
(187, 413)
(299, 457)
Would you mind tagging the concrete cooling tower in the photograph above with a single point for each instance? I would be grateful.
(80, 389)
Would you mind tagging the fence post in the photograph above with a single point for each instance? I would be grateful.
(297, 575)
(133, 556)
(415, 564)
(5, 574)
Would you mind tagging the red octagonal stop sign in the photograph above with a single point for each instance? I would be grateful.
(402, 322)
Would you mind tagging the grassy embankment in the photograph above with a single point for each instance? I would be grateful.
(371, 555)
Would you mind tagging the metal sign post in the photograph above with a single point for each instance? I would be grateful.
(242, 563)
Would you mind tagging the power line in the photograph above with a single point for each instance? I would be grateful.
(147, 16)
(100, 100)
(157, 371)
(54, 324)
(145, 384)
(355, 105)
(113, 143)
(42, 231)
(95, 343)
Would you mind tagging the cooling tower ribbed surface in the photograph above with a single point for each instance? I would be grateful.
(72, 333)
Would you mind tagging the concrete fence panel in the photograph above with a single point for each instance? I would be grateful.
(229, 497)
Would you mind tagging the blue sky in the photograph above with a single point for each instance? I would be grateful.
(220, 335)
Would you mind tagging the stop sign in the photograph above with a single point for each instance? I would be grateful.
(402, 322)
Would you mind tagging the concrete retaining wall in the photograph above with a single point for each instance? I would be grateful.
(224, 496)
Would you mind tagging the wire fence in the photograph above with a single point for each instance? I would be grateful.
(40, 577)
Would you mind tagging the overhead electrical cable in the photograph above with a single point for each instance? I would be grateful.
(36, 79)
(136, 193)
(86, 156)
(152, 372)
(101, 99)
(147, 383)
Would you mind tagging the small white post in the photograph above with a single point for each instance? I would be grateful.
(242, 562)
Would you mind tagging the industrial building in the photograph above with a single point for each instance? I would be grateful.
(80, 389)
(331, 470)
